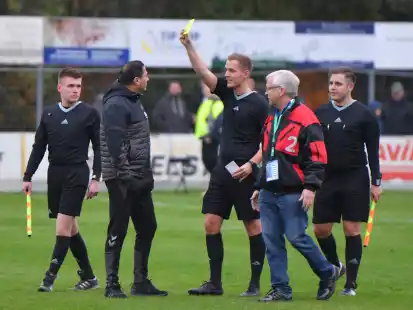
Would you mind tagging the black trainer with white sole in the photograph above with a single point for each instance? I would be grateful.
(47, 283)
(327, 286)
(86, 284)
(277, 294)
(252, 291)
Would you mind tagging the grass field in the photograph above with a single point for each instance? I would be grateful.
(179, 261)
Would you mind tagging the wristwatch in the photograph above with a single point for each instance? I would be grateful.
(376, 182)
(253, 165)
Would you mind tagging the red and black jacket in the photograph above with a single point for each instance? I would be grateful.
(299, 149)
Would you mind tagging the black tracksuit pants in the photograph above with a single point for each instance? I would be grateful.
(125, 204)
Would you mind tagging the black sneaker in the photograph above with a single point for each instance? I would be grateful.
(207, 288)
(146, 288)
(276, 294)
(86, 284)
(327, 286)
(47, 283)
(342, 270)
(114, 290)
(252, 291)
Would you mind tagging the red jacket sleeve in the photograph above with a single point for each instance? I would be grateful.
(314, 157)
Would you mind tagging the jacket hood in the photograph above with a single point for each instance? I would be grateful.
(118, 89)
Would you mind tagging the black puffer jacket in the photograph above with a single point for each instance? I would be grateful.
(125, 137)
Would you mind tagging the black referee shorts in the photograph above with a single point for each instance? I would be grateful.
(345, 195)
(66, 189)
(224, 192)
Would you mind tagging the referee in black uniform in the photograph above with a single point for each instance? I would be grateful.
(349, 127)
(67, 128)
(244, 115)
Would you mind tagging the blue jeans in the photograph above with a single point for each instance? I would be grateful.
(284, 215)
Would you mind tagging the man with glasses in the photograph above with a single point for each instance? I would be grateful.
(293, 160)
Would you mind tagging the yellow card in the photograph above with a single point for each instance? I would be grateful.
(188, 26)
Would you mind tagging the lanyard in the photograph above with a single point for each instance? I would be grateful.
(277, 120)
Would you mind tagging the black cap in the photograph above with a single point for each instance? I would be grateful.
(130, 71)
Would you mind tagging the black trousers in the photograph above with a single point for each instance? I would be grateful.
(123, 205)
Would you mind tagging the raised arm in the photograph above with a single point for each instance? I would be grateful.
(199, 66)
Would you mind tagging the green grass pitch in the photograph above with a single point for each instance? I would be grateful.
(179, 262)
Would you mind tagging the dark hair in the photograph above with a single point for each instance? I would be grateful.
(130, 71)
(346, 71)
(244, 61)
(69, 72)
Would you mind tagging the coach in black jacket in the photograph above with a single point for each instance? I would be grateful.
(126, 170)
(293, 160)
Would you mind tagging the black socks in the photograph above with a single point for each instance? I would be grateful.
(257, 256)
(59, 253)
(354, 249)
(329, 248)
(79, 251)
(215, 249)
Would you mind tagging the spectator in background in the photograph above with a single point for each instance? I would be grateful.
(397, 113)
(171, 114)
(210, 108)
(376, 107)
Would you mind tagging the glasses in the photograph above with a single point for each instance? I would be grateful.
(268, 89)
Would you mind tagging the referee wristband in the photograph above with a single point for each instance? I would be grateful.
(376, 181)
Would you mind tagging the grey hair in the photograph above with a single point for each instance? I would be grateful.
(286, 79)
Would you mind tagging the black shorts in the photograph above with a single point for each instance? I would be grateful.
(224, 192)
(345, 196)
(66, 189)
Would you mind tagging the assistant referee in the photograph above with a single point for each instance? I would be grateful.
(348, 126)
(67, 128)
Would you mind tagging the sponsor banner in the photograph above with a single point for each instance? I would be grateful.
(85, 41)
(174, 155)
(394, 46)
(264, 42)
(302, 45)
(333, 64)
(350, 43)
(156, 41)
(21, 40)
(396, 158)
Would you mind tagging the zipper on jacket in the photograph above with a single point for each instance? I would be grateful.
(288, 131)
